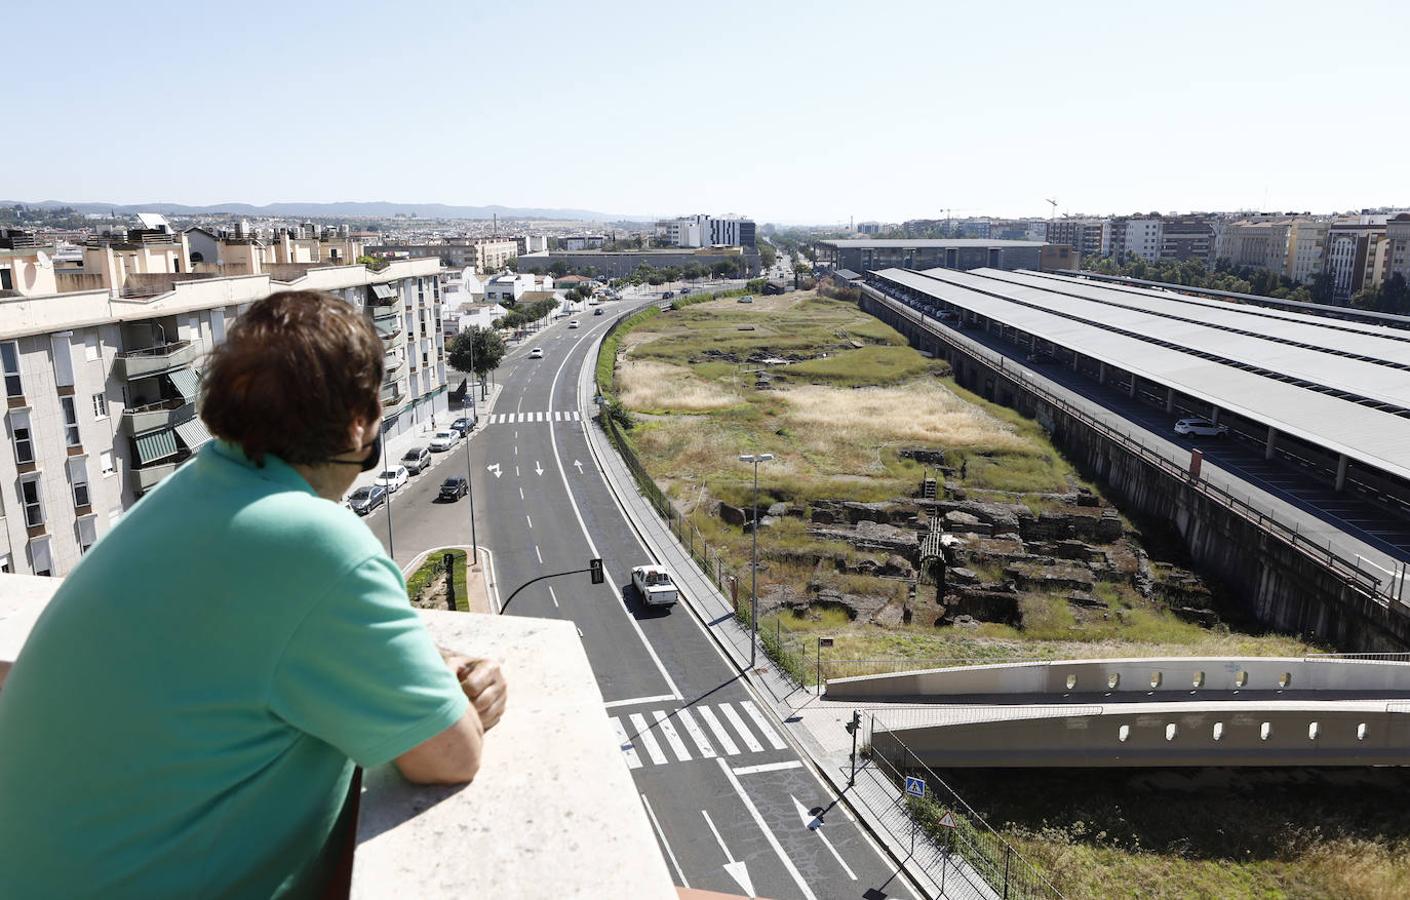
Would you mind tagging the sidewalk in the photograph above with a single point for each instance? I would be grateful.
(817, 725)
(397, 446)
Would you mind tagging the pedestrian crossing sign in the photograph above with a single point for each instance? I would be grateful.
(915, 786)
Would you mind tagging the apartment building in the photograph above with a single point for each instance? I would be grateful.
(484, 255)
(1258, 243)
(101, 384)
(1187, 237)
(1135, 238)
(1355, 256)
(1395, 252)
(1089, 237)
(707, 231)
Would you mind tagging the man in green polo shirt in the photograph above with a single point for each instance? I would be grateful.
(185, 717)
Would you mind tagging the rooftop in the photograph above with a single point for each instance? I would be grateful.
(929, 242)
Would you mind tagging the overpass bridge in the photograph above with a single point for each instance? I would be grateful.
(1172, 711)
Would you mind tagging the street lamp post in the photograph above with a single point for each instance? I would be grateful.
(754, 458)
(391, 548)
(469, 479)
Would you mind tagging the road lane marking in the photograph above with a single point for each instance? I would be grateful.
(552, 596)
(769, 767)
(529, 520)
(759, 720)
(721, 734)
(521, 493)
(647, 739)
(768, 835)
(637, 701)
(815, 825)
(539, 555)
(738, 869)
(576, 417)
(695, 733)
(625, 744)
(739, 726)
(662, 835)
(669, 732)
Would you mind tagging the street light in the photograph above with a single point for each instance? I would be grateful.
(754, 458)
(469, 475)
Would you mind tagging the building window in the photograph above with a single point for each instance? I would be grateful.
(33, 505)
(105, 462)
(7, 280)
(70, 421)
(100, 406)
(78, 478)
(90, 345)
(39, 556)
(5, 565)
(63, 358)
(21, 435)
(10, 362)
(87, 533)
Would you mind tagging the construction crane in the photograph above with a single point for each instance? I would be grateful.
(1053, 204)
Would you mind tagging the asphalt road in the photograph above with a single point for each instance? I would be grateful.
(728, 793)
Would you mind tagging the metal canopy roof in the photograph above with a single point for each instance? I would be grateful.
(155, 446)
(1375, 438)
(186, 382)
(193, 433)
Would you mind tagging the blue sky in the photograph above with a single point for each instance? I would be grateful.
(790, 112)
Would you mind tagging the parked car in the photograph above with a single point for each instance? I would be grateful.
(1202, 427)
(394, 478)
(464, 425)
(536, 353)
(453, 488)
(416, 459)
(654, 585)
(444, 440)
(746, 299)
(367, 498)
(597, 312)
(573, 324)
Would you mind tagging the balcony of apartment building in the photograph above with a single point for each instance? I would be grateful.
(382, 296)
(569, 799)
(156, 454)
(393, 397)
(152, 351)
(388, 322)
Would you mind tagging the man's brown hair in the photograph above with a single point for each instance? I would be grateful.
(294, 372)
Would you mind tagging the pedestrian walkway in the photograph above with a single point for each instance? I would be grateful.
(550, 415)
(420, 435)
(687, 731)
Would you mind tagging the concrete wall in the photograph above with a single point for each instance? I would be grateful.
(620, 265)
(1279, 585)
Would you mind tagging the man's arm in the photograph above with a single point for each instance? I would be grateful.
(451, 757)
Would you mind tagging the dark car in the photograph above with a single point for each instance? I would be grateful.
(365, 499)
(597, 312)
(668, 295)
(454, 488)
(464, 425)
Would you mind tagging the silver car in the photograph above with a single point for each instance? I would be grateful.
(1202, 427)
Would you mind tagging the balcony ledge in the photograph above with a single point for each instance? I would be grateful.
(553, 812)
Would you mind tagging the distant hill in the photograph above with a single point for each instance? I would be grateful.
(344, 209)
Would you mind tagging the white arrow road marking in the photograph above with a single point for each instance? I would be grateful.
(768, 835)
(495, 469)
(579, 465)
(537, 467)
(662, 835)
(814, 824)
(737, 869)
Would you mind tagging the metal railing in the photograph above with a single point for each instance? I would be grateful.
(947, 838)
(1350, 572)
(160, 350)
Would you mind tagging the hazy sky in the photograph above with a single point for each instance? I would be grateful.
(789, 112)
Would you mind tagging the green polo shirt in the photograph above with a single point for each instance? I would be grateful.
(184, 718)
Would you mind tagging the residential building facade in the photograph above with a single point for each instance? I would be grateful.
(1135, 238)
(865, 254)
(1187, 237)
(706, 231)
(1089, 237)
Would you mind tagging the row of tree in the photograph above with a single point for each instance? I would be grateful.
(1223, 277)
(526, 313)
(477, 350)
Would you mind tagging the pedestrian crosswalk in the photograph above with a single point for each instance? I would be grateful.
(663, 736)
(516, 418)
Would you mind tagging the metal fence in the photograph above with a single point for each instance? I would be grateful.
(948, 839)
(1353, 572)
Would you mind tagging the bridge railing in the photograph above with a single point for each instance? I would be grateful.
(1388, 591)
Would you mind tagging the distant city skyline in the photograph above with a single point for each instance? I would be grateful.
(901, 113)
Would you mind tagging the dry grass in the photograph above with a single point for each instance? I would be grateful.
(922, 412)
(650, 386)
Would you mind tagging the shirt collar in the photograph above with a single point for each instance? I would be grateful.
(274, 469)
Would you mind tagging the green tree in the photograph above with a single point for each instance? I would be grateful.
(512, 263)
(558, 269)
(477, 350)
(1320, 290)
(767, 254)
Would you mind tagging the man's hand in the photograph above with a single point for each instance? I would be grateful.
(483, 684)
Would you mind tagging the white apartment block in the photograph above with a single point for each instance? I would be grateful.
(1306, 250)
(1136, 239)
(101, 384)
(701, 230)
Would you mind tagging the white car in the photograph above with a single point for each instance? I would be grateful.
(573, 324)
(444, 440)
(654, 585)
(391, 479)
(1202, 427)
(536, 353)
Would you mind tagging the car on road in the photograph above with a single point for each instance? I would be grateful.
(685, 291)
(444, 440)
(654, 586)
(573, 324)
(453, 488)
(746, 299)
(367, 498)
(416, 459)
(1202, 427)
(464, 425)
(536, 353)
(668, 295)
(394, 478)
(597, 312)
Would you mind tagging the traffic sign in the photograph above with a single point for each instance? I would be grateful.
(915, 786)
(948, 820)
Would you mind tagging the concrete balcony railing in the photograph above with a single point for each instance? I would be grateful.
(388, 328)
(552, 786)
(391, 367)
(148, 476)
(392, 396)
(162, 414)
(134, 364)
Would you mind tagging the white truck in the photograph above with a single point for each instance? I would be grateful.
(654, 585)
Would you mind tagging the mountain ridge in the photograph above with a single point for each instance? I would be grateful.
(352, 208)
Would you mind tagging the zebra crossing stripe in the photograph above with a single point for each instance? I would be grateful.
(718, 730)
(628, 749)
(763, 725)
(576, 417)
(695, 733)
(738, 724)
(669, 732)
(647, 740)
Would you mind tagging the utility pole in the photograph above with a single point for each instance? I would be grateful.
(391, 548)
(754, 458)
(469, 475)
